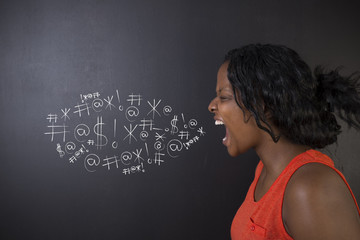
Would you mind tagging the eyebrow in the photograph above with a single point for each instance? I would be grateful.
(223, 88)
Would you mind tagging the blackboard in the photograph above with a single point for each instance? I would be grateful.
(105, 132)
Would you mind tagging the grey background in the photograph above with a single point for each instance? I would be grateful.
(51, 51)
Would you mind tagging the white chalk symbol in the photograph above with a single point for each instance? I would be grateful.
(101, 139)
(81, 132)
(91, 162)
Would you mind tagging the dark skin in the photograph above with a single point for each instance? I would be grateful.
(317, 203)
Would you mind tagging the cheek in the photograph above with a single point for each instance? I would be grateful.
(243, 134)
(237, 118)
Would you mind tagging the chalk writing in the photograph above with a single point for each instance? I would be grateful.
(133, 98)
(111, 143)
(52, 118)
(133, 169)
(131, 113)
(91, 162)
(167, 110)
(130, 131)
(60, 151)
(65, 113)
(97, 104)
(81, 108)
(110, 161)
(85, 97)
(70, 147)
(153, 108)
(57, 129)
(101, 139)
(174, 128)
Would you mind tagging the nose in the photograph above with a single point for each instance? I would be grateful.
(212, 106)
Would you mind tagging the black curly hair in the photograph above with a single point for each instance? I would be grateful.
(277, 87)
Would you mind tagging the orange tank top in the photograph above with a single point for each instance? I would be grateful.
(263, 219)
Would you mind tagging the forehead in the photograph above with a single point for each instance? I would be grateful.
(222, 79)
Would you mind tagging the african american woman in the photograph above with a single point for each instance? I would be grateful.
(269, 100)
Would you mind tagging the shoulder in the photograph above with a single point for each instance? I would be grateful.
(314, 180)
(318, 204)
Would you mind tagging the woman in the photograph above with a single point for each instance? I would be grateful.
(268, 100)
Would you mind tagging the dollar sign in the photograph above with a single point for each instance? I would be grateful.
(174, 128)
(58, 149)
(101, 140)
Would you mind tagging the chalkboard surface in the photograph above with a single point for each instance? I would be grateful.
(105, 132)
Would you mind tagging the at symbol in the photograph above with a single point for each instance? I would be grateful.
(131, 113)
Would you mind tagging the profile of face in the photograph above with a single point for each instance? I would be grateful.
(242, 133)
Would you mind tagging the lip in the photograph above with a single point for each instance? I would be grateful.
(218, 119)
(226, 139)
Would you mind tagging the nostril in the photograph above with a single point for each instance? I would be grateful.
(212, 106)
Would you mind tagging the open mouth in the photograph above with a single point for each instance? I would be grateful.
(219, 122)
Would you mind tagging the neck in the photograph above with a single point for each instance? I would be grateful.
(276, 156)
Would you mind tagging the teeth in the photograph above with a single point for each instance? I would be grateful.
(218, 122)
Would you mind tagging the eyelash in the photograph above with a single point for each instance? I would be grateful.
(223, 98)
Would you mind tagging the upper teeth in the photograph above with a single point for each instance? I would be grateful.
(218, 122)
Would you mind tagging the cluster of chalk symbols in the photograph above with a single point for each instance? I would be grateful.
(127, 136)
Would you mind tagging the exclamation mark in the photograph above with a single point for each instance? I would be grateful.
(147, 151)
(142, 166)
(118, 97)
(115, 128)
(81, 97)
(117, 94)
(84, 148)
(115, 144)
(185, 125)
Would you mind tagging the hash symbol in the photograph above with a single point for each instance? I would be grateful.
(72, 159)
(147, 123)
(158, 159)
(126, 171)
(183, 134)
(108, 163)
(53, 132)
(52, 117)
(133, 98)
(81, 108)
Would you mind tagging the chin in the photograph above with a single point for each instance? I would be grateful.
(236, 152)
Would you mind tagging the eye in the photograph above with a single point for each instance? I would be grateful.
(224, 98)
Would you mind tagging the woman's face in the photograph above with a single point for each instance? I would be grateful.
(240, 135)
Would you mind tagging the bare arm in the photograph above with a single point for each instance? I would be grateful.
(318, 205)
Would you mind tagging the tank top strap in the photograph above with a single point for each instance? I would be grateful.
(310, 156)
